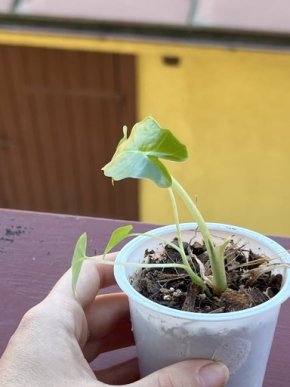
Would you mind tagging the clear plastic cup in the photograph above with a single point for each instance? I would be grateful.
(242, 340)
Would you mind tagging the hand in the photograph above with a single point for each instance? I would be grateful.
(56, 340)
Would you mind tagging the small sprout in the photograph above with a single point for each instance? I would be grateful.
(139, 156)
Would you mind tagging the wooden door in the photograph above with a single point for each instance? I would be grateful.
(61, 116)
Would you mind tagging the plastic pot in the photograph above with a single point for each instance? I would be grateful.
(242, 340)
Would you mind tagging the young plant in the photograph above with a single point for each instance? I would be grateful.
(138, 156)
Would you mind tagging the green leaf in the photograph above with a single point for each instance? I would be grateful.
(117, 236)
(78, 259)
(137, 156)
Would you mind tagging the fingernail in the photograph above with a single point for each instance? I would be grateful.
(214, 374)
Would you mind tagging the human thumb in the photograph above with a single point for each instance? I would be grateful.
(193, 373)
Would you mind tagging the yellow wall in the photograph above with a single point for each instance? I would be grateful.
(231, 108)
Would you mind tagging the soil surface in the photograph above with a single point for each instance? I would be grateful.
(249, 276)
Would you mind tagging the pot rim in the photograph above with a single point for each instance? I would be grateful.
(128, 249)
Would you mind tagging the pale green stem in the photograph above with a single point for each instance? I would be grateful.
(97, 259)
(176, 220)
(194, 277)
(217, 262)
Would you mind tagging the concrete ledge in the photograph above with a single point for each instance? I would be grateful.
(157, 11)
(5, 5)
(259, 15)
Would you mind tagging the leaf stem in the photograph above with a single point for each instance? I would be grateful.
(216, 259)
(194, 277)
(140, 265)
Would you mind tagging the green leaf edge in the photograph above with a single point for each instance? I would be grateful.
(117, 236)
(78, 259)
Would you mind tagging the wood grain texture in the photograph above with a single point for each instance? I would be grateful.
(61, 117)
(36, 249)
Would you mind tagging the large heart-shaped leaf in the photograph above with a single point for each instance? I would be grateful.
(137, 156)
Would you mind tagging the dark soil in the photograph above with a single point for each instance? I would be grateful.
(248, 283)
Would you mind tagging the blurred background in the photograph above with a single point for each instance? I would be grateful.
(216, 72)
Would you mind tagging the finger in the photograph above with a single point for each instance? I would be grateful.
(105, 313)
(123, 373)
(93, 277)
(195, 373)
(122, 337)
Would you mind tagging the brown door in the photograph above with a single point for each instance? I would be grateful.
(61, 116)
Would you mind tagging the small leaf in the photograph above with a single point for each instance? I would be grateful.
(138, 156)
(78, 258)
(117, 236)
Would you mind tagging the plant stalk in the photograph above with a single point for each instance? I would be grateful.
(216, 260)
(194, 277)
